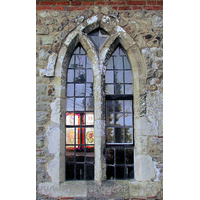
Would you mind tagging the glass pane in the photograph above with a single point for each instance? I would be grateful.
(70, 104)
(118, 76)
(120, 172)
(119, 89)
(109, 89)
(119, 106)
(95, 39)
(80, 154)
(129, 172)
(89, 75)
(69, 118)
(128, 119)
(82, 51)
(128, 105)
(110, 106)
(109, 77)
(89, 89)
(118, 64)
(88, 63)
(70, 90)
(126, 63)
(77, 50)
(129, 156)
(110, 135)
(120, 156)
(79, 104)
(128, 77)
(119, 119)
(79, 89)
(80, 76)
(110, 172)
(128, 135)
(70, 136)
(70, 75)
(110, 63)
(70, 154)
(109, 156)
(90, 136)
(90, 154)
(80, 119)
(110, 119)
(71, 64)
(116, 52)
(102, 40)
(69, 171)
(79, 171)
(89, 172)
(128, 89)
(80, 61)
(79, 137)
(89, 104)
(90, 118)
(121, 52)
(119, 135)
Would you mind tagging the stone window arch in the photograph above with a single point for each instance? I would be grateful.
(99, 61)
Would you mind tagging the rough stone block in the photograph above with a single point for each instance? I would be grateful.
(47, 40)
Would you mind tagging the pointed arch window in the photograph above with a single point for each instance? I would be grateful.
(119, 117)
(79, 118)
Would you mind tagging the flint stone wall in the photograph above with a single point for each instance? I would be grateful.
(53, 31)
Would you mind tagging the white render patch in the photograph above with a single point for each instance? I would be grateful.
(92, 20)
(55, 114)
(157, 171)
(50, 70)
(53, 168)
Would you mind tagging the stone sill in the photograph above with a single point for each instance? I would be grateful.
(109, 188)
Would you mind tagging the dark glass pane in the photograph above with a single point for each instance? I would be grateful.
(70, 75)
(70, 154)
(89, 172)
(118, 63)
(119, 119)
(129, 172)
(118, 76)
(110, 63)
(109, 89)
(89, 104)
(80, 76)
(120, 156)
(70, 104)
(128, 105)
(129, 156)
(79, 89)
(110, 172)
(79, 104)
(94, 33)
(119, 106)
(128, 77)
(109, 156)
(119, 88)
(128, 89)
(69, 171)
(70, 90)
(79, 171)
(110, 135)
(110, 106)
(71, 64)
(109, 77)
(80, 61)
(88, 63)
(126, 63)
(119, 135)
(119, 172)
(89, 75)
(90, 154)
(110, 119)
(80, 154)
(128, 119)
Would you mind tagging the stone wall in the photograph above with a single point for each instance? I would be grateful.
(140, 31)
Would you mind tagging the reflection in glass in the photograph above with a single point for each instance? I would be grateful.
(119, 76)
(79, 104)
(119, 88)
(119, 106)
(89, 74)
(89, 89)
(128, 135)
(128, 89)
(79, 89)
(128, 105)
(119, 119)
(128, 119)
(110, 106)
(70, 75)
(128, 77)
(110, 118)
(109, 89)
(109, 77)
(110, 135)
(89, 104)
(70, 104)
(70, 90)
(119, 135)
